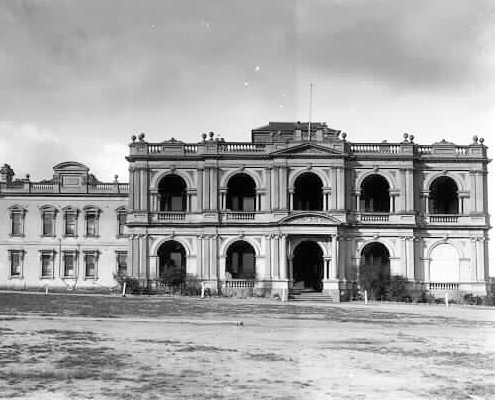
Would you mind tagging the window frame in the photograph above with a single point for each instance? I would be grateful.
(95, 254)
(20, 254)
(93, 213)
(52, 212)
(20, 212)
(119, 253)
(73, 213)
(75, 255)
(121, 211)
(52, 255)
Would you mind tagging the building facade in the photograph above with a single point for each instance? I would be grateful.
(302, 207)
(65, 232)
(297, 207)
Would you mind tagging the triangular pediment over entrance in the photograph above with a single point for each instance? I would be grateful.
(309, 218)
(308, 149)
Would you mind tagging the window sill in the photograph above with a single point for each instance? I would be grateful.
(91, 236)
(69, 277)
(16, 277)
(69, 236)
(47, 278)
(18, 235)
(90, 278)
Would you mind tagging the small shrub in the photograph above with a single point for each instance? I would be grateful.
(131, 284)
(471, 299)
(398, 290)
(192, 286)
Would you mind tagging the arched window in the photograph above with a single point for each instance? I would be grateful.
(241, 260)
(308, 192)
(172, 191)
(443, 196)
(375, 195)
(241, 193)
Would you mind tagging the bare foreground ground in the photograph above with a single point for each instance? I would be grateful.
(95, 347)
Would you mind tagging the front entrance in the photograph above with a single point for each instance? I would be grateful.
(374, 271)
(308, 266)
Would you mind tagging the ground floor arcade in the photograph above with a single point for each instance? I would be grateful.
(325, 257)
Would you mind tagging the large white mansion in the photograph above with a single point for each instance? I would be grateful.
(299, 206)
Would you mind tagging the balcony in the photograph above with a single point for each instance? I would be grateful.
(444, 218)
(239, 216)
(380, 218)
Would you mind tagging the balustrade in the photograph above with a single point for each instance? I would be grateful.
(240, 283)
(446, 219)
(443, 286)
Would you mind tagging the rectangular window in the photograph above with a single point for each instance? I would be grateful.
(16, 224)
(16, 263)
(91, 225)
(70, 224)
(122, 263)
(90, 265)
(48, 224)
(121, 221)
(69, 264)
(47, 264)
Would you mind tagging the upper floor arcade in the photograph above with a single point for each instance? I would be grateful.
(292, 170)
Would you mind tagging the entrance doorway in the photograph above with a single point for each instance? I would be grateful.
(308, 266)
(172, 262)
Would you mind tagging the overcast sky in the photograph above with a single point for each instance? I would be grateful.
(78, 78)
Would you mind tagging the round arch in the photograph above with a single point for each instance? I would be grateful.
(444, 263)
(172, 261)
(430, 179)
(308, 265)
(318, 172)
(229, 174)
(385, 243)
(456, 246)
(384, 174)
(240, 260)
(294, 243)
(155, 181)
(158, 244)
(228, 242)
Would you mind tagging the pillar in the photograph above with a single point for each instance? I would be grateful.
(274, 256)
(199, 257)
(291, 199)
(199, 193)
(327, 266)
(472, 191)
(340, 190)
(268, 189)
(335, 189)
(335, 258)
(206, 189)
(409, 190)
(283, 256)
(275, 188)
(214, 257)
(213, 189)
(283, 187)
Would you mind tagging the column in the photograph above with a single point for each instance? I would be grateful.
(199, 193)
(258, 200)
(223, 197)
(213, 189)
(291, 199)
(143, 189)
(206, 189)
(274, 256)
(335, 259)
(335, 189)
(143, 256)
(358, 201)
(268, 189)
(131, 188)
(327, 266)
(275, 188)
(340, 190)
(480, 264)
(214, 257)
(199, 256)
(283, 256)
(479, 191)
(472, 191)
(205, 257)
(290, 270)
(409, 190)
(410, 258)
(268, 257)
(402, 186)
(283, 187)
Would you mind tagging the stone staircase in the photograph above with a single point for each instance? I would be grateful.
(309, 295)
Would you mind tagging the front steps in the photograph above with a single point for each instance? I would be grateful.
(309, 295)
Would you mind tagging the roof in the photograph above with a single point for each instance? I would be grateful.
(291, 126)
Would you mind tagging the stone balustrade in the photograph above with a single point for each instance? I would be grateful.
(443, 286)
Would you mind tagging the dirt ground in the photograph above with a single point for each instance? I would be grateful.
(90, 347)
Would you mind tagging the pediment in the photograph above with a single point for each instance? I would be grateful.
(309, 218)
(308, 149)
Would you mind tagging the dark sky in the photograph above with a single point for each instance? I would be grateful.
(78, 78)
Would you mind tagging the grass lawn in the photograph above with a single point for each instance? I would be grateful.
(101, 347)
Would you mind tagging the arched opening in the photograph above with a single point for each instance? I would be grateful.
(443, 196)
(374, 270)
(172, 262)
(375, 195)
(308, 266)
(241, 193)
(172, 191)
(444, 264)
(308, 192)
(241, 260)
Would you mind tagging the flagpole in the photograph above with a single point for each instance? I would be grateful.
(310, 108)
